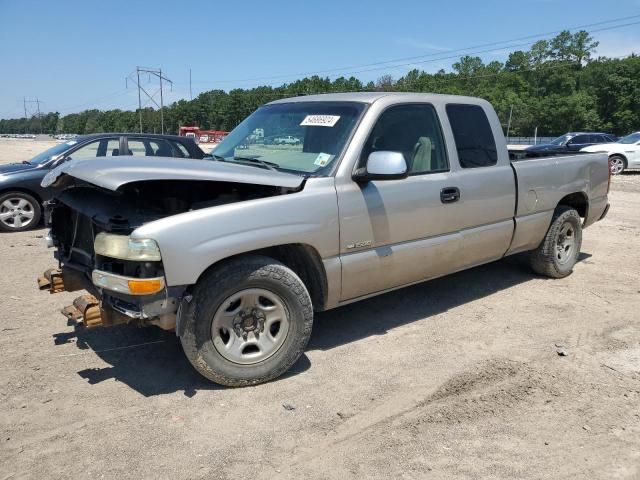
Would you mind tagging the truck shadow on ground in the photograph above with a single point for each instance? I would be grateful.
(148, 360)
(355, 321)
(151, 361)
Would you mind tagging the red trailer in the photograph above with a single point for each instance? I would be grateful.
(202, 136)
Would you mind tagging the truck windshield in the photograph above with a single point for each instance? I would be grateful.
(633, 138)
(299, 137)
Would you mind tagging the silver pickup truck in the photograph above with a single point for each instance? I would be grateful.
(237, 251)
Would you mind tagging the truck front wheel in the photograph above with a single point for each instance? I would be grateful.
(558, 252)
(248, 322)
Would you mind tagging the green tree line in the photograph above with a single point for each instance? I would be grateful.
(556, 86)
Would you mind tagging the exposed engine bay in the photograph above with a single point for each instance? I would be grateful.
(81, 211)
(137, 203)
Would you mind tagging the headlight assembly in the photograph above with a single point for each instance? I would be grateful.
(126, 248)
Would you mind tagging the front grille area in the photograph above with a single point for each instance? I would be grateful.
(75, 233)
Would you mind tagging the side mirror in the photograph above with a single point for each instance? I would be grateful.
(383, 165)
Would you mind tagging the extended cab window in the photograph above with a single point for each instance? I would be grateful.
(474, 139)
(414, 131)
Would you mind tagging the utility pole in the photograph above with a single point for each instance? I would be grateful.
(39, 117)
(509, 124)
(161, 105)
(158, 73)
(24, 103)
(139, 99)
(190, 91)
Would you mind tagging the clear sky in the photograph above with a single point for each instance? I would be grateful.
(74, 55)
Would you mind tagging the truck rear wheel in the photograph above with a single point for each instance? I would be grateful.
(558, 252)
(248, 322)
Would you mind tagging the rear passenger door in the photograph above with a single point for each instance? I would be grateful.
(486, 183)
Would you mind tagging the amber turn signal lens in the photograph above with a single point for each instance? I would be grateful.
(145, 287)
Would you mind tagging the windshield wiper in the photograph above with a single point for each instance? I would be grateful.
(215, 157)
(268, 165)
(26, 162)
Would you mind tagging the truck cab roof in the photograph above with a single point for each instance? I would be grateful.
(371, 97)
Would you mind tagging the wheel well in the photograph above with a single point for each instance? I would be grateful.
(304, 260)
(23, 190)
(578, 201)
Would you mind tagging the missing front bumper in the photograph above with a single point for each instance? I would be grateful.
(87, 311)
(56, 280)
(110, 308)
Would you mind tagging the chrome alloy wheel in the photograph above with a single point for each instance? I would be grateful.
(250, 326)
(616, 164)
(16, 212)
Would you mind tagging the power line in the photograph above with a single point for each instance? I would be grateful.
(342, 70)
(452, 53)
(379, 65)
(469, 53)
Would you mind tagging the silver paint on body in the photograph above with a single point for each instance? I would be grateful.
(372, 236)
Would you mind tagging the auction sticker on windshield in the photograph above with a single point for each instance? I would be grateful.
(320, 120)
(322, 159)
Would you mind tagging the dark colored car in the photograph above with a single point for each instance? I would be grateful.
(21, 195)
(569, 143)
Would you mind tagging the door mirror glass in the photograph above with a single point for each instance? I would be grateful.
(383, 165)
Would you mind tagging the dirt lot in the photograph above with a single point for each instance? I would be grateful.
(458, 377)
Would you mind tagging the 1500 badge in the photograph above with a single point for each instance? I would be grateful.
(366, 243)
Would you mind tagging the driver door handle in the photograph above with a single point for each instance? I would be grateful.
(449, 194)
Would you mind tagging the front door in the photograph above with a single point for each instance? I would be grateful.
(395, 232)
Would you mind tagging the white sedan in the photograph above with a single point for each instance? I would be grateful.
(623, 154)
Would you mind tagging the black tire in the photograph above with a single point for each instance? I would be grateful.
(220, 284)
(615, 161)
(33, 206)
(545, 260)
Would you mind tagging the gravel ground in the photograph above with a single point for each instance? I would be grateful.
(458, 377)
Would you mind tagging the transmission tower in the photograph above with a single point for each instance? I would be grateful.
(37, 102)
(156, 72)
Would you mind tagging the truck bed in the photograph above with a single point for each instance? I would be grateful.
(542, 182)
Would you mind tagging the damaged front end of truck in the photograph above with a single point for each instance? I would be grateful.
(97, 206)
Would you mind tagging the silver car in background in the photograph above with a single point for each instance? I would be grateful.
(623, 154)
